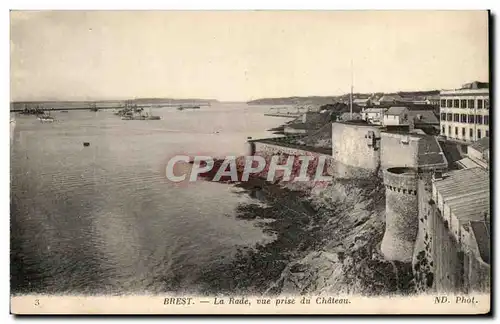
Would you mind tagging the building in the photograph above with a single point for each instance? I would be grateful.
(397, 116)
(362, 102)
(464, 112)
(348, 116)
(478, 155)
(424, 118)
(432, 100)
(373, 115)
(388, 100)
(462, 198)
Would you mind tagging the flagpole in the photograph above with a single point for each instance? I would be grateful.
(352, 86)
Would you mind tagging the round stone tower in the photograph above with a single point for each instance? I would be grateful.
(401, 210)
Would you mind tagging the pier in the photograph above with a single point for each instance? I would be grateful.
(277, 112)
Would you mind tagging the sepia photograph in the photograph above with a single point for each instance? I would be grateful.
(250, 162)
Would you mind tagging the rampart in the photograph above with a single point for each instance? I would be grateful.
(355, 149)
(401, 214)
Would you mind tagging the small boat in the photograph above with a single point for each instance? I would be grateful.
(86, 144)
(45, 119)
(93, 107)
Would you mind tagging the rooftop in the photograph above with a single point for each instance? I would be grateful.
(481, 145)
(426, 116)
(374, 110)
(394, 97)
(396, 111)
(466, 192)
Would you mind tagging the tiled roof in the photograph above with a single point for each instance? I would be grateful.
(430, 153)
(467, 193)
(347, 116)
(481, 145)
(396, 110)
(391, 98)
(374, 110)
(427, 116)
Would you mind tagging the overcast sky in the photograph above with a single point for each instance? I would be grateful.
(242, 55)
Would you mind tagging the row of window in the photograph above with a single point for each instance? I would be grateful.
(464, 118)
(465, 103)
(464, 132)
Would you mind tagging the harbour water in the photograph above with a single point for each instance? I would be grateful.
(103, 218)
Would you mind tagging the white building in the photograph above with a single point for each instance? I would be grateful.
(478, 155)
(464, 113)
(373, 115)
(397, 116)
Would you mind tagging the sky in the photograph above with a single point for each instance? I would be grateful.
(242, 55)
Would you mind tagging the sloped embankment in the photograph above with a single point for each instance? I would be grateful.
(327, 242)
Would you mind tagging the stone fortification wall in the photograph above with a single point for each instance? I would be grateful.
(268, 149)
(401, 223)
(355, 149)
(398, 150)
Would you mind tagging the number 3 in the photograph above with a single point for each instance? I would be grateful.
(37, 302)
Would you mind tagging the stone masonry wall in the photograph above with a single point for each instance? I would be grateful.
(355, 150)
(401, 222)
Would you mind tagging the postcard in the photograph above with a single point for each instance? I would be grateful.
(250, 162)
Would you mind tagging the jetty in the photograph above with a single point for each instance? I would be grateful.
(286, 112)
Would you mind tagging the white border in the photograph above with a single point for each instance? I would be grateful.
(190, 4)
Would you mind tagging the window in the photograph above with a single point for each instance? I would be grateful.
(471, 119)
(450, 116)
(479, 119)
(478, 134)
(463, 118)
(463, 103)
(456, 103)
(443, 130)
(443, 116)
(443, 103)
(487, 133)
(456, 131)
(470, 104)
(471, 133)
(449, 103)
(486, 120)
(479, 103)
(486, 103)
(449, 130)
(463, 132)
(456, 117)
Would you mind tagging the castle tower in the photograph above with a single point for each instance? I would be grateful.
(401, 224)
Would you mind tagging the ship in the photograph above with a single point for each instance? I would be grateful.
(93, 107)
(31, 111)
(182, 107)
(137, 114)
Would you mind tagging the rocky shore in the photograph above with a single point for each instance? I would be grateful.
(327, 242)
